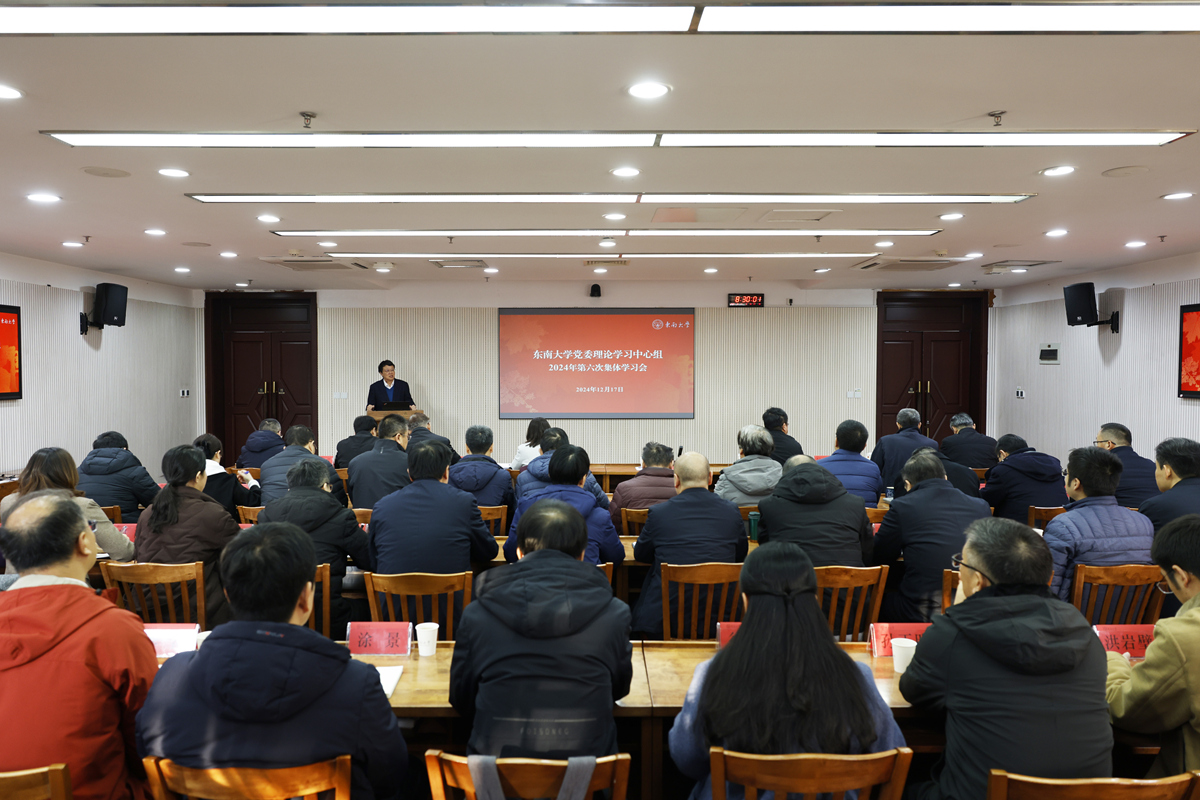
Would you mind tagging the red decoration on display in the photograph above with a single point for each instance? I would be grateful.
(379, 638)
(882, 634)
(1189, 351)
(10, 353)
(725, 632)
(1132, 639)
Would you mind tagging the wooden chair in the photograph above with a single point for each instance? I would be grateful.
(321, 581)
(412, 590)
(113, 513)
(524, 777)
(1130, 596)
(811, 774)
(140, 592)
(363, 516)
(607, 566)
(1040, 515)
(255, 472)
(249, 514)
(746, 511)
(47, 783)
(496, 518)
(632, 520)
(713, 585)
(875, 515)
(950, 581)
(864, 593)
(344, 474)
(980, 472)
(169, 781)
(1006, 786)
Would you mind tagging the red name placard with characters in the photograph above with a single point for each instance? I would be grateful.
(1132, 639)
(725, 632)
(882, 634)
(379, 638)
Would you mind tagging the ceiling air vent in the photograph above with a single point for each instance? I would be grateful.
(786, 215)
(459, 263)
(609, 263)
(914, 264)
(1002, 267)
(311, 263)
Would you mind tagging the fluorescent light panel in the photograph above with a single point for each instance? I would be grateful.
(918, 139)
(626, 232)
(594, 256)
(355, 140)
(775, 199)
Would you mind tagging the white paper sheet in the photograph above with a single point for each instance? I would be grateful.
(389, 677)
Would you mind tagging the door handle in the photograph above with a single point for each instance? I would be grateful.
(280, 391)
(264, 389)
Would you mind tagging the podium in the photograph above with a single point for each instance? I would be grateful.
(378, 415)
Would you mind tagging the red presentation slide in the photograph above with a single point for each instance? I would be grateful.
(1189, 351)
(10, 353)
(620, 363)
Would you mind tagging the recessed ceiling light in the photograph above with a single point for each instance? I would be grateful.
(1019, 270)
(8, 93)
(354, 140)
(614, 217)
(884, 244)
(490, 270)
(608, 199)
(174, 173)
(611, 233)
(1177, 196)
(823, 269)
(242, 284)
(155, 232)
(649, 90)
(607, 243)
(974, 255)
(599, 270)
(182, 269)
(951, 216)
(1057, 232)
(585, 256)
(711, 270)
(954, 285)
(922, 139)
(383, 269)
(267, 218)
(1135, 244)
(43, 198)
(1054, 172)
(626, 172)
(72, 244)
(326, 244)
(228, 254)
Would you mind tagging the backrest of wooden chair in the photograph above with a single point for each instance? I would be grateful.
(363, 516)
(255, 472)
(746, 511)
(852, 612)
(170, 781)
(496, 518)
(607, 566)
(46, 783)
(398, 590)
(344, 474)
(524, 777)
(113, 513)
(875, 515)
(632, 520)
(321, 581)
(249, 514)
(713, 586)
(811, 774)
(1039, 515)
(1130, 596)
(950, 580)
(980, 472)
(139, 590)
(1006, 786)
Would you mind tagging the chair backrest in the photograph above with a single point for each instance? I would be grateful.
(632, 520)
(169, 781)
(875, 515)
(950, 579)
(496, 518)
(1130, 595)
(321, 580)
(524, 777)
(344, 474)
(113, 513)
(249, 514)
(745, 511)
(980, 472)
(363, 515)
(413, 589)
(811, 774)
(1005, 786)
(139, 590)
(1039, 515)
(853, 611)
(713, 586)
(47, 783)
(607, 566)
(255, 472)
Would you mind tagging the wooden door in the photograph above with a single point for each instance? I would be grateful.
(946, 366)
(899, 376)
(293, 384)
(247, 375)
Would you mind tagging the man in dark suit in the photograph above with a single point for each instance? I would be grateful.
(960, 477)
(418, 431)
(891, 452)
(926, 527)
(301, 443)
(968, 446)
(361, 442)
(1177, 469)
(429, 526)
(775, 420)
(388, 389)
(374, 475)
(694, 527)
(1138, 483)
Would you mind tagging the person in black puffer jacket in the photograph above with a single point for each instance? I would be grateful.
(811, 508)
(113, 476)
(480, 475)
(1023, 478)
(261, 445)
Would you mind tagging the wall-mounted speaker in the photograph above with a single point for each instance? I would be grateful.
(110, 304)
(1081, 304)
(595, 290)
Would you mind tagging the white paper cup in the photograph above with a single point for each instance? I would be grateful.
(427, 633)
(902, 653)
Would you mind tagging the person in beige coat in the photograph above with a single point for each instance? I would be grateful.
(1162, 693)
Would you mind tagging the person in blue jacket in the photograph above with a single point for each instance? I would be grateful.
(537, 475)
(479, 474)
(859, 475)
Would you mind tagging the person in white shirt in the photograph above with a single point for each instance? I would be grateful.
(531, 448)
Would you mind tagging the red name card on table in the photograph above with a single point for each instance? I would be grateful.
(725, 632)
(1132, 639)
(882, 634)
(379, 638)
(172, 638)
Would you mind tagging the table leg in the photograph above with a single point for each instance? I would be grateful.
(621, 582)
(651, 776)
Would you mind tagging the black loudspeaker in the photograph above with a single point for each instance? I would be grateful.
(595, 290)
(1081, 304)
(110, 304)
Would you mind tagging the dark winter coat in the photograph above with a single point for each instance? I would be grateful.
(603, 543)
(1138, 483)
(811, 508)
(859, 475)
(273, 474)
(651, 486)
(891, 452)
(1097, 532)
(962, 478)
(113, 476)
(428, 526)
(536, 477)
(227, 490)
(259, 447)
(1026, 478)
(377, 473)
(970, 448)
(352, 446)
(1182, 498)
(481, 476)
(785, 447)
(425, 435)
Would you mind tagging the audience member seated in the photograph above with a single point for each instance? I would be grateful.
(428, 526)
(300, 444)
(361, 442)
(53, 468)
(184, 525)
(1023, 478)
(926, 528)
(479, 474)
(265, 442)
(1138, 483)
(653, 484)
(537, 475)
(694, 527)
(334, 531)
(569, 467)
(753, 476)
(893, 451)
(812, 509)
(967, 446)
(543, 651)
(962, 478)
(230, 491)
(1161, 695)
(74, 668)
(806, 694)
(113, 476)
(1094, 530)
(531, 448)
(1018, 673)
(418, 431)
(775, 420)
(383, 469)
(264, 690)
(1177, 470)
(859, 475)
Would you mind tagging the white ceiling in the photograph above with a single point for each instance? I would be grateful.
(576, 83)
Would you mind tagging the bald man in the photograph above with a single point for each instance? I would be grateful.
(693, 527)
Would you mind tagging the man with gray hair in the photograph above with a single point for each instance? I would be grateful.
(754, 475)
(261, 445)
(418, 431)
(373, 475)
(968, 446)
(477, 473)
(891, 452)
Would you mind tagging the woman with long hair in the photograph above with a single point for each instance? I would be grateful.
(230, 491)
(531, 448)
(184, 525)
(54, 468)
(782, 685)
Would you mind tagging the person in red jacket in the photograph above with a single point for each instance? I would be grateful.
(74, 668)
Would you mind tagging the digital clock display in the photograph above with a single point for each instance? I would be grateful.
(746, 300)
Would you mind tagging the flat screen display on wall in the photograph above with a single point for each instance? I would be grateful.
(10, 353)
(1189, 351)
(618, 363)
